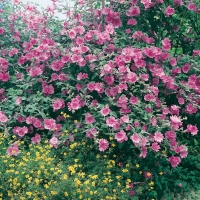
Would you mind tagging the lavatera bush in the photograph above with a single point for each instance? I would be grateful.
(129, 70)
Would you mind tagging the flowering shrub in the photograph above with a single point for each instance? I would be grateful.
(132, 78)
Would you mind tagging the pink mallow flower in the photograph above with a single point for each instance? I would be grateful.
(175, 161)
(20, 131)
(105, 111)
(58, 104)
(111, 121)
(136, 139)
(36, 139)
(176, 122)
(49, 124)
(155, 147)
(18, 100)
(158, 137)
(3, 117)
(169, 11)
(54, 142)
(121, 136)
(103, 144)
(89, 119)
(192, 129)
(13, 150)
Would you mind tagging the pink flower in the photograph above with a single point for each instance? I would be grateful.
(176, 122)
(175, 161)
(169, 11)
(170, 135)
(18, 100)
(155, 147)
(36, 139)
(166, 45)
(158, 137)
(111, 121)
(133, 11)
(13, 150)
(148, 175)
(153, 121)
(173, 62)
(133, 100)
(58, 104)
(35, 71)
(180, 184)
(1, 30)
(132, 77)
(143, 153)
(48, 89)
(54, 142)
(37, 123)
(29, 120)
(121, 136)
(89, 119)
(136, 139)
(132, 22)
(72, 34)
(191, 6)
(125, 119)
(91, 133)
(4, 77)
(105, 111)
(103, 144)
(21, 131)
(110, 29)
(16, 1)
(186, 68)
(50, 124)
(193, 129)
(131, 193)
(3, 117)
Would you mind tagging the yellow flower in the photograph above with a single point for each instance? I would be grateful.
(46, 186)
(129, 180)
(137, 165)
(140, 172)
(29, 193)
(161, 173)
(111, 138)
(65, 176)
(97, 156)
(54, 192)
(37, 181)
(124, 170)
(75, 121)
(66, 194)
(163, 152)
(151, 183)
